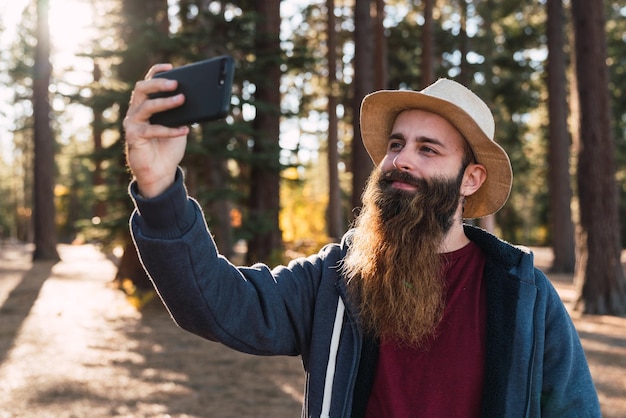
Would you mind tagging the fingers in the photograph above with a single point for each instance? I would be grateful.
(143, 105)
(136, 123)
(140, 97)
(143, 89)
(136, 130)
(157, 68)
(149, 85)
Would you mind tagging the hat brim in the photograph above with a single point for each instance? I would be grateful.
(378, 114)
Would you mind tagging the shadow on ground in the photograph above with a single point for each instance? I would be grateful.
(17, 303)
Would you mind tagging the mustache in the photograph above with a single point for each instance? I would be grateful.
(435, 199)
(401, 176)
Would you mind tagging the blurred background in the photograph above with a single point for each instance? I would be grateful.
(283, 173)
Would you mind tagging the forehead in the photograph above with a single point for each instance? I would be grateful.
(424, 123)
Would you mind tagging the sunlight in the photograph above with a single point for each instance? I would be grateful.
(71, 28)
(72, 32)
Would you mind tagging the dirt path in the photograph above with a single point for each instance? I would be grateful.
(71, 346)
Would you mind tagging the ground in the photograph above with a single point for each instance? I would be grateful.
(71, 345)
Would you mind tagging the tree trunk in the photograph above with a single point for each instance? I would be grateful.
(44, 169)
(363, 84)
(334, 215)
(599, 273)
(465, 74)
(99, 208)
(380, 59)
(488, 223)
(560, 189)
(428, 50)
(220, 207)
(265, 173)
(133, 67)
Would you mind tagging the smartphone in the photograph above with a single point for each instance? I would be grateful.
(207, 86)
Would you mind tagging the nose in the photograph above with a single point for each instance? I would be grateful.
(401, 163)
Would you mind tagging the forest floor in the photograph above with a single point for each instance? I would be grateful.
(71, 345)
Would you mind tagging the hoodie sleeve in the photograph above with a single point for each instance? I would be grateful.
(167, 216)
(253, 309)
(568, 389)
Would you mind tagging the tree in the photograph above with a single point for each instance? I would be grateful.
(20, 76)
(563, 244)
(506, 76)
(43, 192)
(363, 85)
(335, 224)
(380, 60)
(135, 63)
(464, 43)
(428, 50)
(616, 48)
(207, 159)
(99, 208)
(265, 174)
(599, 274)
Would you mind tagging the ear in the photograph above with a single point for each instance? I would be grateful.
(474, 177)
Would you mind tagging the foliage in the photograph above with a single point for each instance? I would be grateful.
(518, 29)
(17, 177)
(300, 199)
(504, 63)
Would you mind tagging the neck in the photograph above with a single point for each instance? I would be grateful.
(455, 238)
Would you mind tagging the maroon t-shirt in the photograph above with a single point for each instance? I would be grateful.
(446, 378)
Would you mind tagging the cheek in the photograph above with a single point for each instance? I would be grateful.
(386, 164)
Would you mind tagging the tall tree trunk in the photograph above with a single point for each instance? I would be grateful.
(44, 211)
(599, 273)
(137, 13)
(334, 215)
(363, 84)
(215, 173)
(489, 222)
(99, 209)
(428, 49)
(465, 70)
(220, 207)
(380, 60)
(265, 174)
(560, 189)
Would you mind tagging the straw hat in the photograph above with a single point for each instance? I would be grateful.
(466, 112)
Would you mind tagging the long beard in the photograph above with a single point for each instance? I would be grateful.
(393, 266)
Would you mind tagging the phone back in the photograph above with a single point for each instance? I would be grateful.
(207, 87)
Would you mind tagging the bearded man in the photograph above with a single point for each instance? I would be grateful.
(413, 314)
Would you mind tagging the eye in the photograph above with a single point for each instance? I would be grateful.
(427, 150)
(395, 146)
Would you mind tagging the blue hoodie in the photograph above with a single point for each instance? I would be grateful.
(535, 364)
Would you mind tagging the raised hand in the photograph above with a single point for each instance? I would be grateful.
(153, 152)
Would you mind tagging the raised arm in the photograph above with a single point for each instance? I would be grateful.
(153, 152)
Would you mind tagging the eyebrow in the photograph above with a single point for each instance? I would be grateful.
(421, 139)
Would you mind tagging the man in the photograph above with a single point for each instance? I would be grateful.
(413, 313)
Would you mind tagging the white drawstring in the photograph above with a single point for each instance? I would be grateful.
(332, 360)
